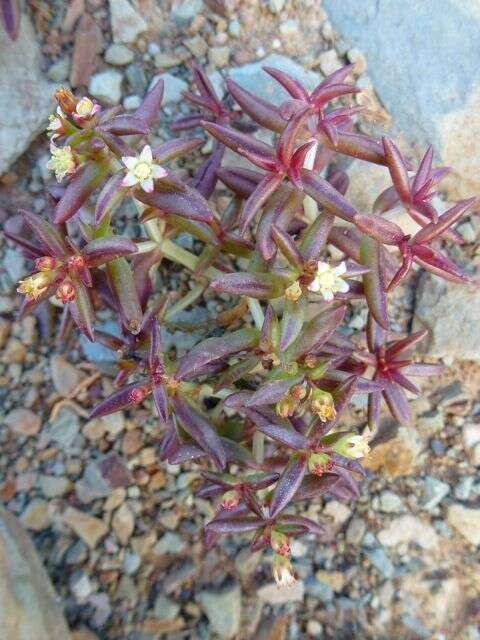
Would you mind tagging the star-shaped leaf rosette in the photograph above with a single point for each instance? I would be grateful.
(262, 403)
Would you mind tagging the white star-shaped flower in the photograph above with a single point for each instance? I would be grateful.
(328, 280)
(142, 170)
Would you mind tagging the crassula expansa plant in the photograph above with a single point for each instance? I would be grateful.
(260, 404)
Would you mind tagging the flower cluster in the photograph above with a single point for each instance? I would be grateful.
(261, 403)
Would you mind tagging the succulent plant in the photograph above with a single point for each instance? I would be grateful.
(260, 404)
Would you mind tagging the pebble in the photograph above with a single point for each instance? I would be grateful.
(338, 511)
(397, 456)
(77, 553)
(53, 486)
(271, 594)
(409, 529)
(106, 86)
(184, 11)
(223, 610)
(466, 521)
(275, 6)
(131, 562)
(430, 423)
(123, 523)
(65, 376)
(329, 62)
(433, 492)
(390, 502)
(334, 579)
(197, 46)
(234, 28)
(80, 585)
(219, 56)
(464, 487)
(179, 576)
(170, 542)
(90, 529)
(119, 55)
(132, 102)
(132, 442)
(314, 628)
(173, 87)
(64, 428)
(381, 561)
(36, 516)
(356, 57)
(23, 422)
(127, 24)
(165, 608)
(318, 589)
(59, 70)
(355, 531)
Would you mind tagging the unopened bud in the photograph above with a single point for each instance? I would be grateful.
(298, 392)
(66, 100)
(319, 463)
(279, 543)
(65, 292)
(285, 408)
(311, 361)
(230, 499)
(293, 292)
(76, 262)
(45, 263)
(283, 571)
(321, 403)
(36, 284)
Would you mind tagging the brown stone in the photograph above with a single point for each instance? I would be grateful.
(132, 442)
(91, 530)
(65, 376)
(123, 523)
(23, 421)
(396, 457)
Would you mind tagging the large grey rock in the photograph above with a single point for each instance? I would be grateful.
(26, 97)
(423, 60)
(450, 311)
(29, 606)
(223, 610)
(253, 78)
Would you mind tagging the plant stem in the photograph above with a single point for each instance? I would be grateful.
(258, 446)
(184, 302)
(310, 207)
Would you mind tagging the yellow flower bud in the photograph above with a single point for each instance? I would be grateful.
(353, 446)
(293, 292)
(321, 403)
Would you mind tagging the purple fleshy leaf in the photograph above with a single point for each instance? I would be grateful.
(102, 250)
(288, 483)
(327, 196)
(150, 106)
(201, 431)
(123, 398)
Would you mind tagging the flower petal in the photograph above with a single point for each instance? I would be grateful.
(129, 180)
(146, 154)
(158, 172)
(129, 161)
(147, 185)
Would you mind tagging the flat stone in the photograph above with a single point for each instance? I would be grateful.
(87, 45)
(102, 477)
(441, 106)
(90, 529)
(26, 98)
(29, 606)
(466, 521)
(430, 423)
(396, 457)
(123, 523)
(253, 78)
(106, 86)
(65, 376)
(271, 594)
(409, 529)
(53, 486)
(390, 502)
(23, 421)
(179, 576)
(173, 87)
(165, 608)
(381, 561)
(334, 579)
(433, 492)
(223, 610)
(119, 55)
(184, 11)
(36, 516)
(329, 62)
(437, 302)
(170, 542)
(64, 428)
(355, 531)
(59, 70)
(127, 24)
(80, 585)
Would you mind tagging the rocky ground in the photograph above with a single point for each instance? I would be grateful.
(119, 533)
